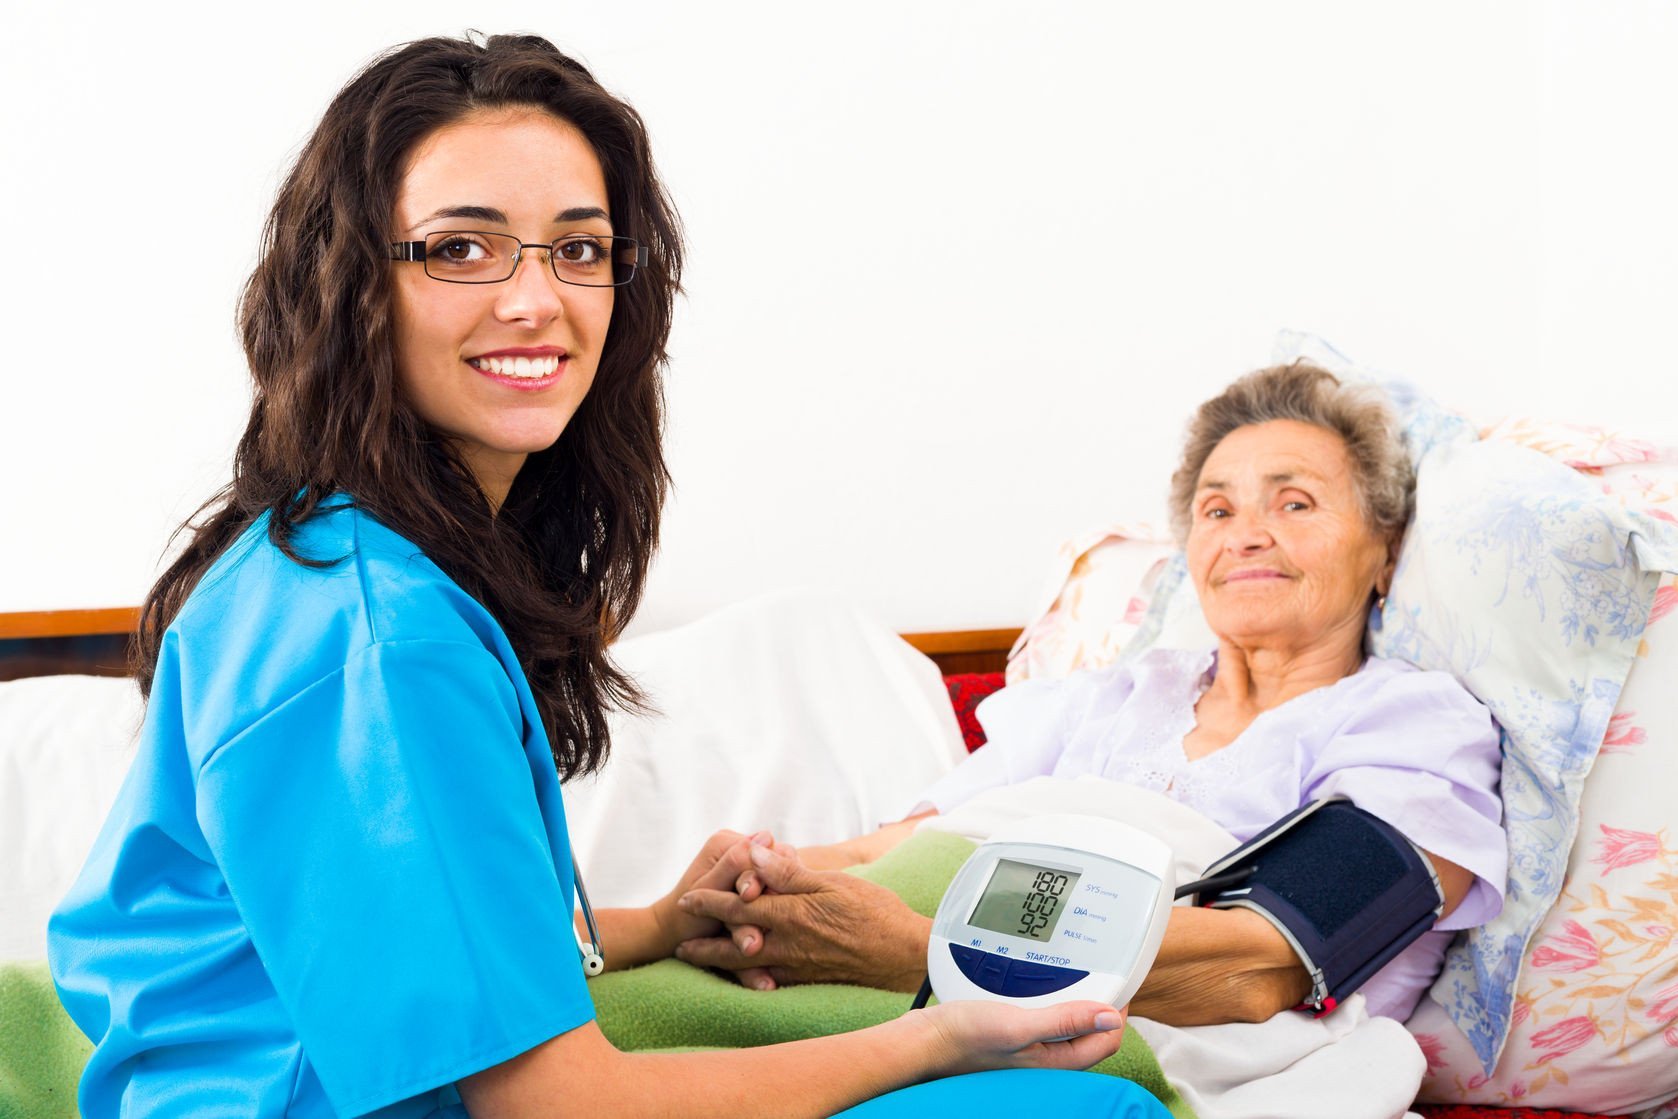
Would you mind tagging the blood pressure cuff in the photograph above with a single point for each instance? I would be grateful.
(1345, 889)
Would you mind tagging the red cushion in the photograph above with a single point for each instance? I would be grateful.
(966, 690)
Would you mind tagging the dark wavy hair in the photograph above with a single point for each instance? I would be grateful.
(562, 564)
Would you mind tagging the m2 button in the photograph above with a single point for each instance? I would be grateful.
(1012, 978)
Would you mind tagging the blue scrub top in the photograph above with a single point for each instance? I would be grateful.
(337, 878)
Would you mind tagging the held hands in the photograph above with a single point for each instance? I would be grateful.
(721, 862)
(790, 924)
(775, 921)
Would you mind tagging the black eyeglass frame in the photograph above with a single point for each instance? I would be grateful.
(413, 252)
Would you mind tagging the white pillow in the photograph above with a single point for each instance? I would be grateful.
(788, 712)
(65, 746)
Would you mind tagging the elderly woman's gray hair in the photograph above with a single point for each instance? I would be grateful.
(1359, 414)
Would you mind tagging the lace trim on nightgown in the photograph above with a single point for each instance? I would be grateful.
(1153, 757)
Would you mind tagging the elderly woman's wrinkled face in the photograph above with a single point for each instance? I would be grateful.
(1278, 546)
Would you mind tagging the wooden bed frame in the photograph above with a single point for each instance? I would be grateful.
(95, 643)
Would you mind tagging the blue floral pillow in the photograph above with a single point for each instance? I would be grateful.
(1531, 587)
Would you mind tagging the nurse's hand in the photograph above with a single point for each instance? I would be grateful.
(981, 1035)
(819, 1076)
(721, 863)
(812, 926)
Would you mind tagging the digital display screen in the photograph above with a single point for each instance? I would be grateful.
(1022, 899)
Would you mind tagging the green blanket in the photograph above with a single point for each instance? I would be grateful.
(662, 1006)
(673, 1005)
(41, 1050)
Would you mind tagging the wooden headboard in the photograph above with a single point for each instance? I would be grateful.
(966, 650)
(49, 642)
(95, 643)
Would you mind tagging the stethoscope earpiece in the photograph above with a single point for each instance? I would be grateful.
(594, 960)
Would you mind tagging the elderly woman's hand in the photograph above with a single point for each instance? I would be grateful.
(813, 927)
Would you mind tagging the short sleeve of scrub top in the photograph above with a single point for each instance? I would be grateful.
(401, 891)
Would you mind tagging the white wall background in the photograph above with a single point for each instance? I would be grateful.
(959, 271)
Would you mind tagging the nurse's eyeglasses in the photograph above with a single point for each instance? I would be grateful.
(464, 256)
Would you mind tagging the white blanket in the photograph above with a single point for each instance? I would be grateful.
(1345, 1066)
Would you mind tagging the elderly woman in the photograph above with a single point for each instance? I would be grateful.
(1290, 503)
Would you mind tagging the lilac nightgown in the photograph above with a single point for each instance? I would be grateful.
(1412, 747)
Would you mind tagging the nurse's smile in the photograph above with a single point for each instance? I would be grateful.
(527, 368)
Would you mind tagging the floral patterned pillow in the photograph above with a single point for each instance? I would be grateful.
(1533, 589)
(1533, 583)
(1097, 594)
(1594, 1019)
(1529, 576)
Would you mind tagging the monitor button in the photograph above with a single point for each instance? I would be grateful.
(987, 971)
(967, 959)
(1026, 979)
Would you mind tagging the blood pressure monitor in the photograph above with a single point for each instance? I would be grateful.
(1053, 908)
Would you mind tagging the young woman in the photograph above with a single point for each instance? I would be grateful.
(337, 880)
